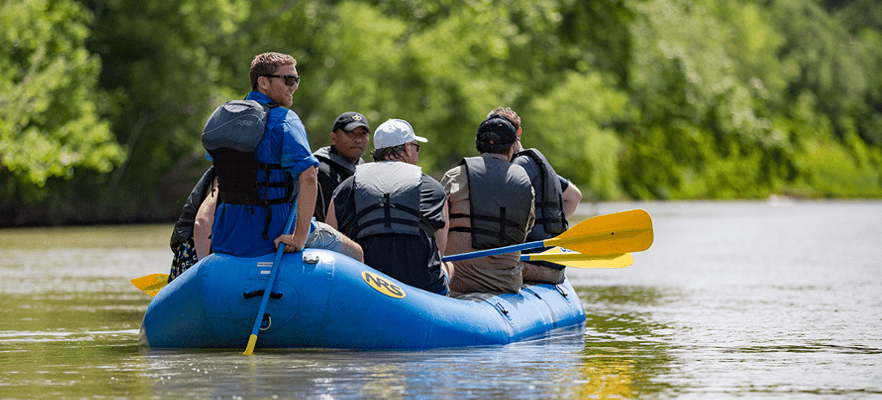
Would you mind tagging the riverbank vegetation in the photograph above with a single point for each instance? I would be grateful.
(103, 101)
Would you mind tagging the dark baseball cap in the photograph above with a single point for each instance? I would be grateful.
(501, 126)
(349, 121)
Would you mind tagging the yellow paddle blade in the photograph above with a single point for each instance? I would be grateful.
(249, 350)
(572, 259)
(606, 235)
(151, 284)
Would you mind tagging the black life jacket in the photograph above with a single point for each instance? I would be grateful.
(500, 199)
(336, 161)
(333, 169)
(231, 135)
(550, 219)
(387, 200)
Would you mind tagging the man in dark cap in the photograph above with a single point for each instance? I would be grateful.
(491, 205)
(556, 200)
(349, 140)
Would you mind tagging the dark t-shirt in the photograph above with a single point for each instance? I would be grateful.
(414, 260)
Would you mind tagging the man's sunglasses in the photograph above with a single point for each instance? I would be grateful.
(290, 80)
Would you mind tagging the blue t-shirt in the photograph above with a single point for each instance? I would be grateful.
(238, 229)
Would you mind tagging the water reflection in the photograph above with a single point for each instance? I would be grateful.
(625, 351)
(547, 368)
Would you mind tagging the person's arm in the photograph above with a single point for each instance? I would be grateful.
(204, 222)
(332, 215)
(305, 208)
(441, 234)
(571, 199)
(326, 185)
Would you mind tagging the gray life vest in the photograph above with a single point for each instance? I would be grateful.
(231, 135)
(500, 197)
(387, 200)
(550, 219)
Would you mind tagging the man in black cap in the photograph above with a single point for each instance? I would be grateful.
(349, 140)
(556, 200)
(491, 205)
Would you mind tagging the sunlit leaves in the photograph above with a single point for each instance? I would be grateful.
(49, 98)
(573, 126)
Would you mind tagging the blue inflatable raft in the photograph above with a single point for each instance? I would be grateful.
(322, 299)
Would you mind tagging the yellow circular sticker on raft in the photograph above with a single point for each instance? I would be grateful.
(382, 285)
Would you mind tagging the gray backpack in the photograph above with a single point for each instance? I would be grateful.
(236, 124)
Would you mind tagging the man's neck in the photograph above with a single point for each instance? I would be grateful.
(333, 150)
(497, 155)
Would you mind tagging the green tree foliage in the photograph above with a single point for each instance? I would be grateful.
(644, 99)
(50, 123)
(718, 85)
(163, 65)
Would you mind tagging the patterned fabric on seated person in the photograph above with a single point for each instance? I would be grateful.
(185, 257)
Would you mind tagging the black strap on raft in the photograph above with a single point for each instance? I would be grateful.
(259, 293)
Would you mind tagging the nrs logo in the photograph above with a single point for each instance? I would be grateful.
(382, 285)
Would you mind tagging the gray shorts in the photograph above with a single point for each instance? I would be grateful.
(324, 237)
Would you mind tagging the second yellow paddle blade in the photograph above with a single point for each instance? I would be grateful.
(577, 260)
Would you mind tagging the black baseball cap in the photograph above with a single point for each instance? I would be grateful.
(501, 126)
(349, 121)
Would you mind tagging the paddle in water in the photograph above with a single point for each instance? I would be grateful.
(603, 235)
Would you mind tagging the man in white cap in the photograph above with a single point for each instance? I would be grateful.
(395, 212)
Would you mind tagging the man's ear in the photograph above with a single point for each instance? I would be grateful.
(262, 84)
(333, 136)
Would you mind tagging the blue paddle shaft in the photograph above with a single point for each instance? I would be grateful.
(273, 270)
(493, 252)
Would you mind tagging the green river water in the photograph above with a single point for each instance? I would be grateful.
(734, 300)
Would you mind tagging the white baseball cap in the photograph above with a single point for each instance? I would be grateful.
(395, 132)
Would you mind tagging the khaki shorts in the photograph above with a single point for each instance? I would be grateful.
(324, 237)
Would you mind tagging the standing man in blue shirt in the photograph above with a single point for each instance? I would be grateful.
(256, 188)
